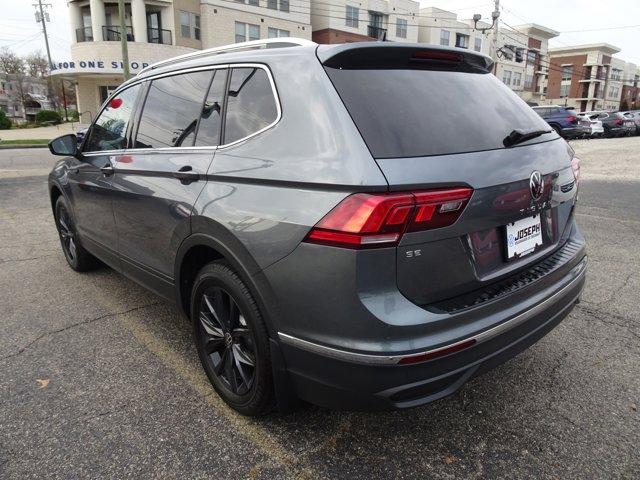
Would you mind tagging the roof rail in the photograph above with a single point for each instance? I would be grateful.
(234, 47)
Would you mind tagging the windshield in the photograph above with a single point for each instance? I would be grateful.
(410, 112)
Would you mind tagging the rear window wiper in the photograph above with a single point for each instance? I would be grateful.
(522, 135)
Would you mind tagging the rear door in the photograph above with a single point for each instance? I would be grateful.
(160, 177)
(414, 118)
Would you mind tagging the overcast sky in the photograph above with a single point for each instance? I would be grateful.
(18, 29)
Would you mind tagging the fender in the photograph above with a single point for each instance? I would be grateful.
(207, 232)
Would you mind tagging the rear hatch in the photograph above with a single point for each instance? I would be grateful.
(438, 119)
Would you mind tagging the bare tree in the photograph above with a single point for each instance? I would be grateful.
(10, 62)
(37, 64)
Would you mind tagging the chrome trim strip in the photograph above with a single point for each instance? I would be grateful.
(368, 359)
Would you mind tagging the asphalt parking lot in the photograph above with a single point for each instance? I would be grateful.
(99, 378)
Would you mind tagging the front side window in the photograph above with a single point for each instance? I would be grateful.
(401, 28)
(171, 110)
(444, 37)
(109, 132)
(352, 15)
(251, 105)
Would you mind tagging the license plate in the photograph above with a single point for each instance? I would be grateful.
(523, 236)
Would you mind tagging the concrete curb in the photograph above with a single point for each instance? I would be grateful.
(17, 147)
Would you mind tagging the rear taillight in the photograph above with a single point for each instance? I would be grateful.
(571, 119)
(618, 121)
(575, 166)
(366, 220)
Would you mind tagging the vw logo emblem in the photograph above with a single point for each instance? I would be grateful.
(536, 185)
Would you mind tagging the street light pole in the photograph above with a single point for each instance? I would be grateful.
(123, 41)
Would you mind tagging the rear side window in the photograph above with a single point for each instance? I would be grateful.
(410, 112)
(109, 132)
(251, 105)
(171, 110)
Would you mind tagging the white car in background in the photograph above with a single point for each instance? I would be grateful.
(597, 130)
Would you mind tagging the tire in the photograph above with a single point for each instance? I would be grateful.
(77, 257)
(232, 340)
(557, 129)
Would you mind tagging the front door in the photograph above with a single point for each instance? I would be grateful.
(91, 177)
(160, 178)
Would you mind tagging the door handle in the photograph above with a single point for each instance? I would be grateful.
(107, 170)
(186, 174)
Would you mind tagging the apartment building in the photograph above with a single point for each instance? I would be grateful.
(440, 27)
(159, 29)
(522, 51)
(535, 38)
(630, 97)
(586, 77)
(344, 21)
(22, 97)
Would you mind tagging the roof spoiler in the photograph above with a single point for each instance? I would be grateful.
(381, 55)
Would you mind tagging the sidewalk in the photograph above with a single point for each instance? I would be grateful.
(40, 132)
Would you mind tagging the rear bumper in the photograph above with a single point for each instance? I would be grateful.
(344, 379)
(575, 131)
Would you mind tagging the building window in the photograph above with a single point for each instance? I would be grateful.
(277, 33)
(247, 31)
(564, 90)
(531, 56)
(284, 6)
(517, 79)
(567, 72)
(189, 25)
(444, 37)
(477, 44)
(254, 2)
(462, 41)
(528, 81)
(352, 16)
(272, 4)
(401, 28)
(616, 74)
(506, 77)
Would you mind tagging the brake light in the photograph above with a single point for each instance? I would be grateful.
(575, 166)
(571, 119)
(366, 220)
(618, 121)
(437, 55)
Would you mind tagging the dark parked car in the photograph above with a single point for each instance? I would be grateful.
(564, 121)
(616, 124)
(314, 212)
(635, 116)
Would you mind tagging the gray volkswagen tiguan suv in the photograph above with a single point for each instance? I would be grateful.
(334, 222)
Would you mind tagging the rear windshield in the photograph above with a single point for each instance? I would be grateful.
(411, 113)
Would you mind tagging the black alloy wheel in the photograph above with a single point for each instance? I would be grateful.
(227, 340)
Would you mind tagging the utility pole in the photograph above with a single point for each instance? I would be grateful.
(494, 42)
(123, 41)
(43, 20)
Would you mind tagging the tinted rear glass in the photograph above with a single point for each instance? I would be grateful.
(410, 113)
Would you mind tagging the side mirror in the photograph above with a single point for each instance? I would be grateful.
(66, 145)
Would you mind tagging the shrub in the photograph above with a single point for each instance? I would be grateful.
(48, 116)
(5, 123)
(73, 115)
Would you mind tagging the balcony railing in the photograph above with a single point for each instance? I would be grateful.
(84, 34)
(376, 32)
(159, 35)
(111, 33)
